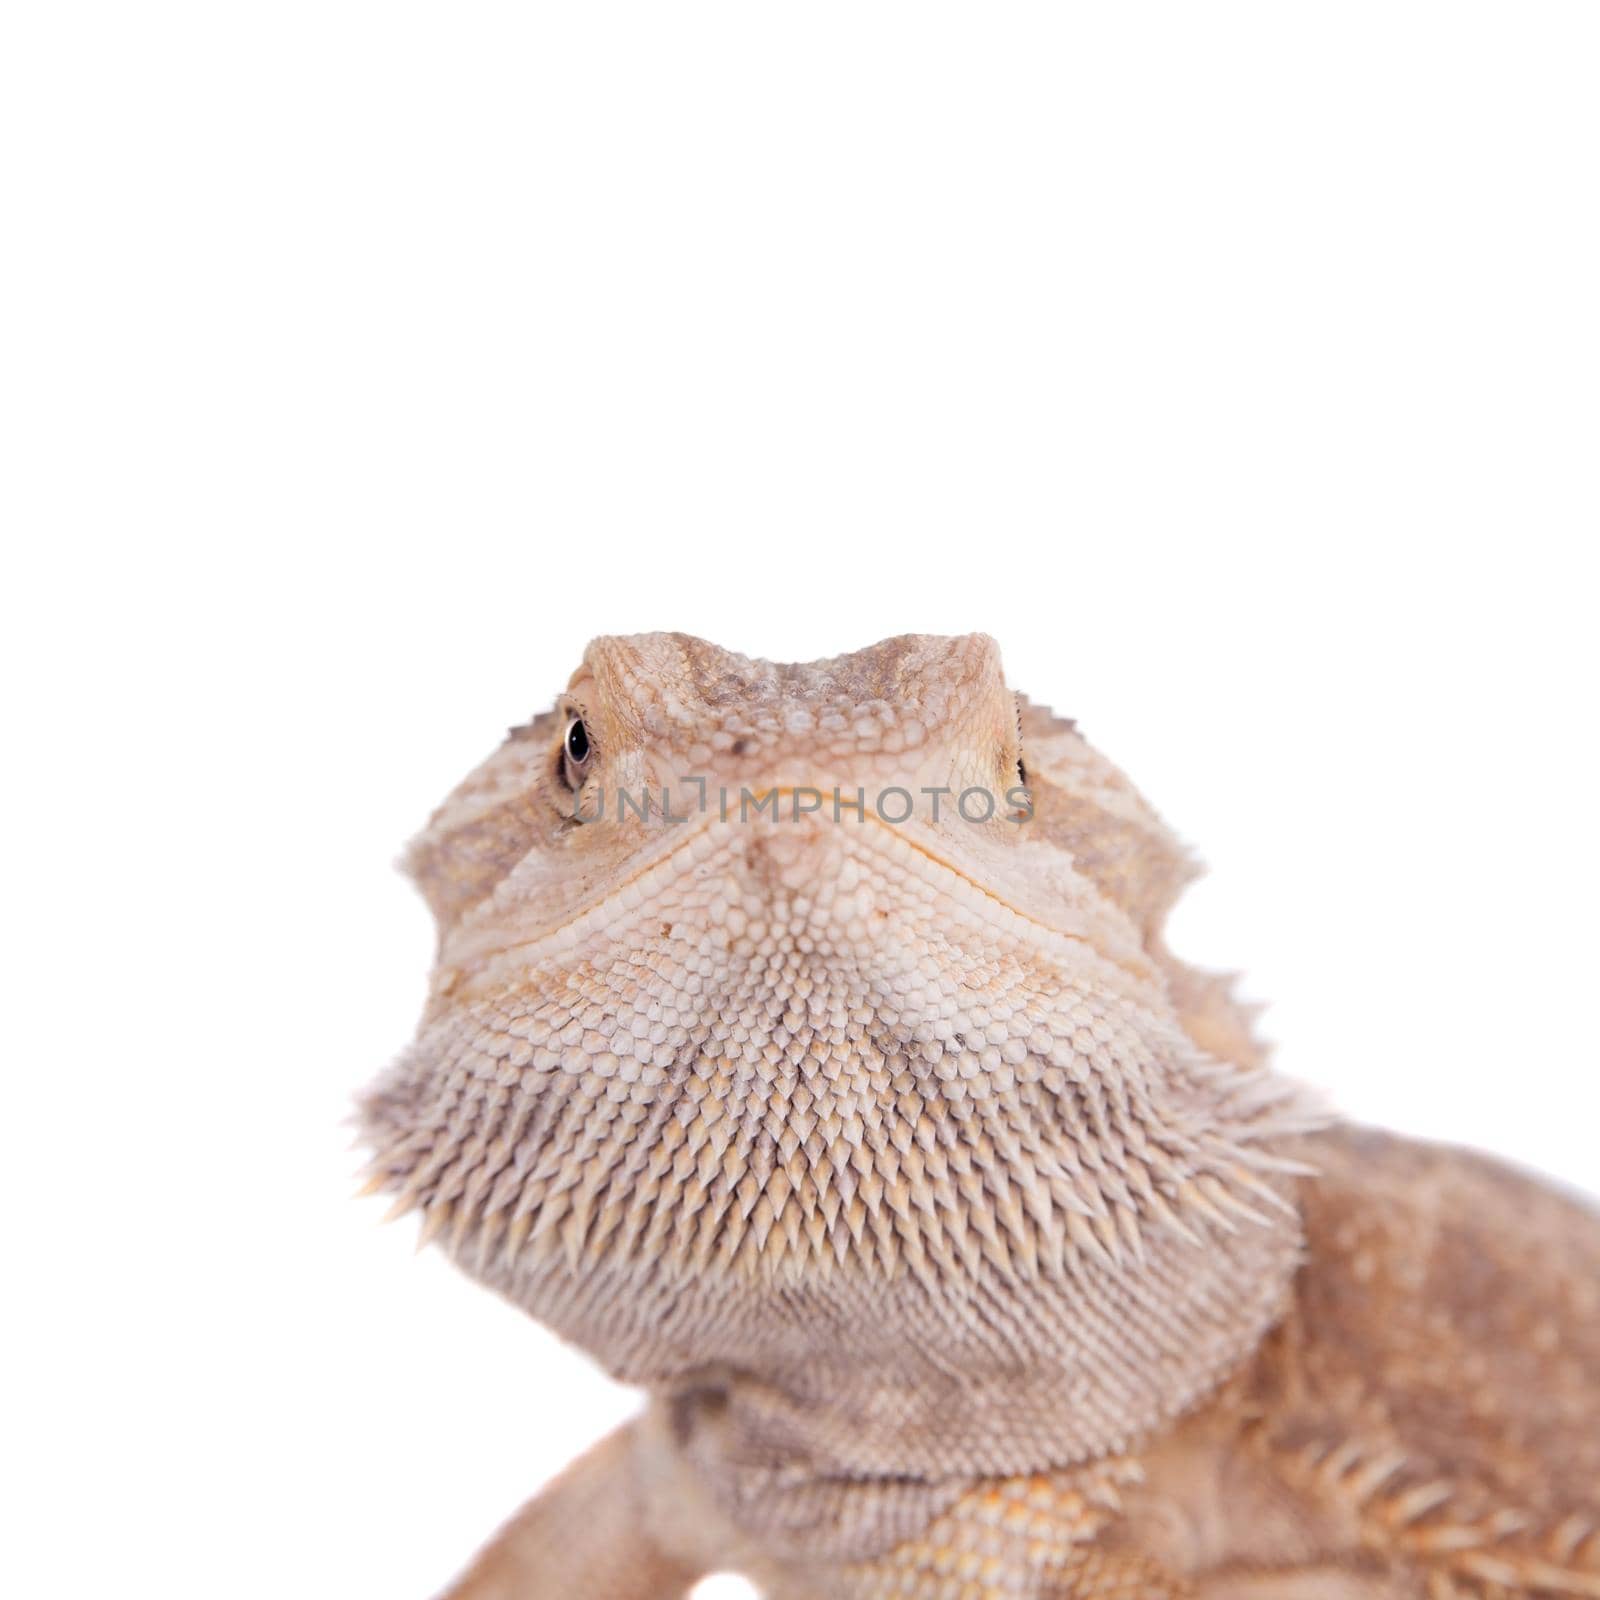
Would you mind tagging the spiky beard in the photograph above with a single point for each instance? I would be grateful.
(847, 1136)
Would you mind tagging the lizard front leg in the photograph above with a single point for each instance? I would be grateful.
(587, 1534)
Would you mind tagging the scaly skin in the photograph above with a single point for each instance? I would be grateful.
(963, 1239)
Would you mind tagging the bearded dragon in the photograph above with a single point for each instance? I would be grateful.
(964, 1241)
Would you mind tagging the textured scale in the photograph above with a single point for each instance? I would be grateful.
(881, 1139)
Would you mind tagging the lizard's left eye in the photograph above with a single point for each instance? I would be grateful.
(576, 749)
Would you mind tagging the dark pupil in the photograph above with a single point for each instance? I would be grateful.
(578, 740)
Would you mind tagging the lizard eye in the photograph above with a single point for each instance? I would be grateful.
(576, 749)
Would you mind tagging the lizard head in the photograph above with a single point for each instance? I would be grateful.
(755, 979)
(812, 785)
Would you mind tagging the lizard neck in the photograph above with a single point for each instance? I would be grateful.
(912, 1392)
(902, 1388)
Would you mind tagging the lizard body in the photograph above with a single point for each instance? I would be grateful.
(803, 1044)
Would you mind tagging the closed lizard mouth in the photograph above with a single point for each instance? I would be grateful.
(874, 846)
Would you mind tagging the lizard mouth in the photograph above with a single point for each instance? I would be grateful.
(724, 872)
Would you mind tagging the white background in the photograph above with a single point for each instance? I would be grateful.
(1238, 367)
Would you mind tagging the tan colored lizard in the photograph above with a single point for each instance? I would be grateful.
(963, 1240)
